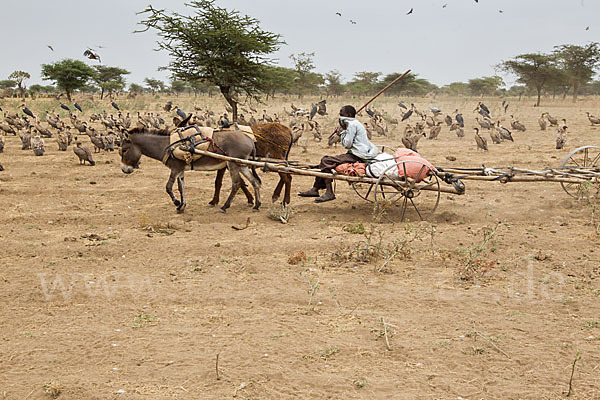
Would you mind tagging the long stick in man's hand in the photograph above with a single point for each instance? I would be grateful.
(337, 131)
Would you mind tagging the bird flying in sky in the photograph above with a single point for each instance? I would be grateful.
(410, 12)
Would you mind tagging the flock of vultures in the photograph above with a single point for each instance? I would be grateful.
(107, 131)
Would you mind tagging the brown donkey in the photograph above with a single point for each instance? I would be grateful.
(275, 141)
(153, 143)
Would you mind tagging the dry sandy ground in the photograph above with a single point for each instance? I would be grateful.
(107, 293)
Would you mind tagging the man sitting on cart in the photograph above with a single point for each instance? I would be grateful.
(360, 149)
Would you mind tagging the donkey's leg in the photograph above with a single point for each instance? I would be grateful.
(277, 191)
(236, 183)
(181, 186)
(245, 171)
(218, 185)
(288, 188)
(249, 197)
(170, 182)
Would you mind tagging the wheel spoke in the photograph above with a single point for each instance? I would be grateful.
(572, 159)
(404, 205)
(416, 209)
(593, 163)
(585, 157)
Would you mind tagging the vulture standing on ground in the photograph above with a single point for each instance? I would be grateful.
(37, 145)
(27, 111)
(313, 110)
(481, 141)
(542, 122)
(593, 120)
(459, 118)
(115, 105)
(504, 132)
(516, 125)
(561, 137)
(83, 153)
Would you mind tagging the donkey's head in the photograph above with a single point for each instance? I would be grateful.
(130, 156)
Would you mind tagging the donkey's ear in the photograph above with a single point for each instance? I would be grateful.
(185, 121)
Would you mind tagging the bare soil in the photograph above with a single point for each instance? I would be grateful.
(107, 293)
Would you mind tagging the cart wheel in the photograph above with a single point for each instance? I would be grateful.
(364, 190)
(403, 199)
(586, 156)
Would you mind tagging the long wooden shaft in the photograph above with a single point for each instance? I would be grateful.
(309, 172)
(382, 90)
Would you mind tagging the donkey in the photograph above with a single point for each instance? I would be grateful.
(153, 143)
(273, 140)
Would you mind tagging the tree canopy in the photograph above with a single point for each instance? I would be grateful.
(109, 79)
(155, 85)
(19, 77)
(68, 74)
(215, 45)
(533, 70)
(579, 63)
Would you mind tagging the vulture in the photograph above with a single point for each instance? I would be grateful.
(561, 138)
(401, 105)
(504, 133)
(460, 119)
(516, 125)
(1, 144)
(593, 120)
(27, 111)
(168, 106)
(448, 120)
(115, 105)
(553, 121)
(407, 115)
(37, 145)
(313, 110)
(481, 141)
(485, 124)
(64, 107)
(322, 105)
(77, 106)
(180, 113)
(83, 153)
(542, 122)
(484, 107)
(91, 55)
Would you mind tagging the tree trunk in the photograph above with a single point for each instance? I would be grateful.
(539, 96)
(101, 93)
(68, 94)
(226, 91)
(575, 90)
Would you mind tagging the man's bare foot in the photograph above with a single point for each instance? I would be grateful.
(326, 197)
(310, 193)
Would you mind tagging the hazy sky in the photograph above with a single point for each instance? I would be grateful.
(462, 41)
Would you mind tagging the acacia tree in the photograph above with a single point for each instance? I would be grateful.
(109, 79)
(579, 62)
(154, 84)
(215, 45)
(135, 88)
(68, 74)
(19, 77)
(335, 86)
(488, 85)
(534, 70)
(304, 65)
